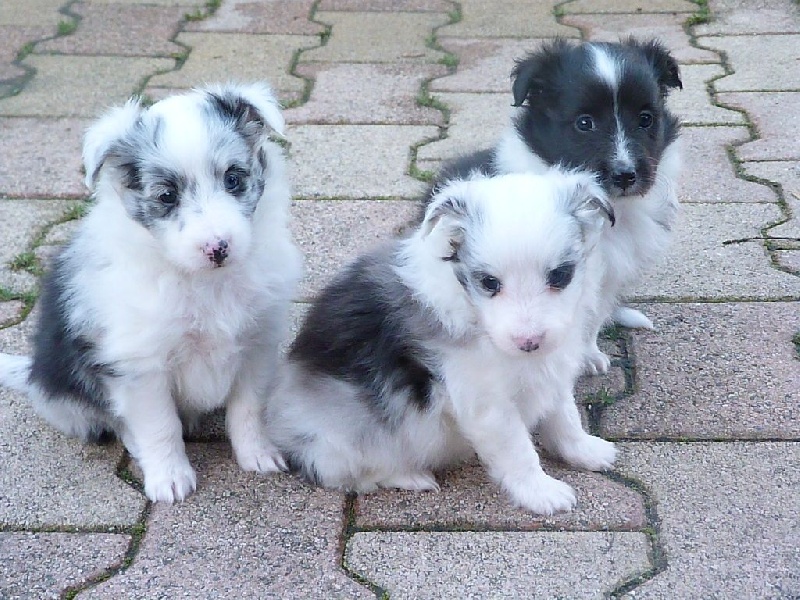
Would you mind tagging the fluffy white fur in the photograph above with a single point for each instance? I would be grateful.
(181, 334)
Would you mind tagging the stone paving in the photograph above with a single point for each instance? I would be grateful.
(704, 502)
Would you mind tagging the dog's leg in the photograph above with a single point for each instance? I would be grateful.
(244, 422)
(595, 361)
(151, 430)
(421, 481)
(561, 433)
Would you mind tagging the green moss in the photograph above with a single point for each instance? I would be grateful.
(66, 27)
(702, 15)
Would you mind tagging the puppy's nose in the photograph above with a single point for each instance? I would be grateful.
(527, 343)
(217, 252)
(624, 179)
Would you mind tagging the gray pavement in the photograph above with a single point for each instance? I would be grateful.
(705, 500)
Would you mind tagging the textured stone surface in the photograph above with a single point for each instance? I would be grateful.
(191, 3)
(266, 16)
(468, 499)
(10, 311)
(366, 94)
(484, 64)
(87, 85)
(41, 158)
(700, 265)
(771, 114)
(787, 174)
(355, 161)
(241, 534)
(713, 371)
(376, 37)
(120, 30)
(736, 17)
(43, 565)
(224, 57)
(729, 518)
(332, 233)
(495, 564)
(708, 175)
(442, 6)
(628, 6)
(32, 13)
(14, 37)
(772, 67)
(666, 27)
(506, 19)
(693, 104)
(476, 122)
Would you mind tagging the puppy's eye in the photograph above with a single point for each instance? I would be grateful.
(233, 181)
(645, 119)
(561, 276)
(584, 123)
(168, 197)
(491, 284)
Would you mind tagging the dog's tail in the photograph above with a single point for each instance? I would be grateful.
(14, 372)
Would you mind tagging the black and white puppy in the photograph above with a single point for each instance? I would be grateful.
(172, 298)
(462, 338)
(599, 107)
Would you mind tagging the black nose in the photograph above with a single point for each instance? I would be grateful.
(624, 179)
(220, 253)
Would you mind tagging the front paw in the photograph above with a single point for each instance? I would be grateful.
(260, 457)
(596, 362)
(591, 453)
(422, 481)
(171, 481)
(542, 494)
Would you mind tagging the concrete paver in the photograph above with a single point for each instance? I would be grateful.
(512, 565)
(773, 67)
(768, 112)
(14, 37)
(506, 19)
(745, 17)
(693, 105)
(267, 16)
(33, 13)
(442, 6)
(484, 64)
(55, 561)
(628, 6)
(10, 311)
(732, 534)
(787, 174)
(713, 371)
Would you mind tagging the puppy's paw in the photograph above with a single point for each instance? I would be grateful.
(591, 453)
(542, 494)
(418, 482)
(261, 458)
(596, 362)
(631, 318)
(172, 481)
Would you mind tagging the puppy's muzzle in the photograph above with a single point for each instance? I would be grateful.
(217, 252)
(527, 343)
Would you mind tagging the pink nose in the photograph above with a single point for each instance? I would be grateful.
(217, 252)
(527, 343)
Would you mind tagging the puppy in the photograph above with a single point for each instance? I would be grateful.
(602, 108)
(459, 339)
(172, 298)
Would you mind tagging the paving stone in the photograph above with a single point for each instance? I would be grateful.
(506, 18)
(693, 104)
(332, 233)
(366, 94)
(21, 221)
(10, 311)
(442, 6)
(134, 30)
(49, 480)
(745, 17)
(43, 565)
(240, 535)
(701, 266)
(773, 67)
(628, 6)
(729, 518)
(787, 174)
(497, 564)
(32, 13)
(774, 116)
(355, 161)
(708, 174)
(665, 27)
(12, 39)
(476, 122)
(87, 85)
(713, 371)
(266, 16)
(789, 259)
(375, 37)
(41, 157)
(193, 3)
(468, 499)
(225, 57)
(484, 64)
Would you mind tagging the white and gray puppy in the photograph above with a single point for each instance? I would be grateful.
(172, 298)
(462, 338)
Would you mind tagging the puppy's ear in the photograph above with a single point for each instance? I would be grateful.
(252, 106)
(663, 64)
(448, 214)
(588, 203)
(528, 73)
(104, 133)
